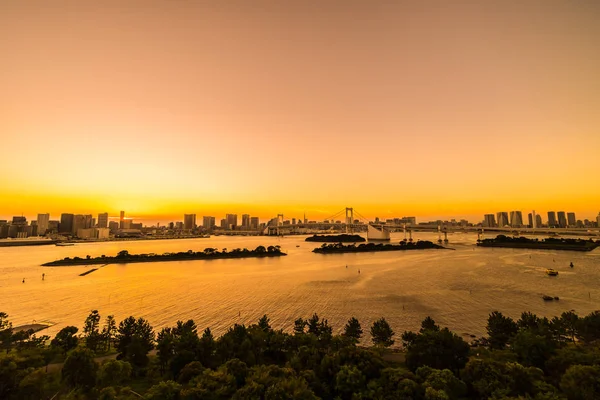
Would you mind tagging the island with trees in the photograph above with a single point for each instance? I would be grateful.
(373, 247)
(530, 358)
(124, 257)
(343, 238)
(544, 244)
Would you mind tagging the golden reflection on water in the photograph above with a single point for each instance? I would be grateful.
(457, 288)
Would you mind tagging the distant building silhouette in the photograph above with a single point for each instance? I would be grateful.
(208, 223)
(571, 220)
(66, 223)
(189, 221)
(103, 220)
(516, 219)
(42, 223)
(489, 221)
(562, 219)
(502, 218)
(552, 219)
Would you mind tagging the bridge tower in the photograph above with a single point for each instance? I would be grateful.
(349, 218)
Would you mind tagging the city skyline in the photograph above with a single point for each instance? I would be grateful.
(167, 108)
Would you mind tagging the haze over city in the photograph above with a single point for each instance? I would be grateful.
(412, 108)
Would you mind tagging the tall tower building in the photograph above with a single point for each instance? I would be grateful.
(189, 221)
(208, 223)
(103, 220)
(502, 218)
(489, 220)
(571, 220)
(254, 223)
(530, 220)
(42, 223)
(562, 219)
(538, 221)
(598, 220)
(121, 219)
(245, 221)
(516, 219)
(66, 223)
(231, 221)
(552, 219)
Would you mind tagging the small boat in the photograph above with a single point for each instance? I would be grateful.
(63, 244)
(571, 265)
(551, 272)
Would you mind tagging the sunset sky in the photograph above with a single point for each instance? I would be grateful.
(394, 108)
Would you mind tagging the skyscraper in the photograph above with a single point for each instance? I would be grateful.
(552, 219)
(231, 221)
(562, 219)
(245, 221)
(571, 220)
(66, 223)
(189, 221)
(42, 223)
(516, 219)
(208, 223)
(121, 219)
(103, 220)
(598, 220)
(81, 221)
(502, 218)
(254, 222)
(489, 220)
(530, 220)
(538, 221)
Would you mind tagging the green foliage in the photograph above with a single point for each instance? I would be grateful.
(382, 333)
(500, 330)
(443, 380)
(65, 339)
(532, 349)
(91, 331)
(79, 370)
(168, 390)
(114, 373)
(581, 382)
(349, 380)
(439, 349)
(135, 338)
(353, 330)
(5, 332)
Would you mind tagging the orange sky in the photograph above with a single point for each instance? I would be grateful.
(411, 108)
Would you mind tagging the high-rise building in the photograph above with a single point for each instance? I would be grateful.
(121, 219)
(598, 220)
(254, 222)
(42, 223)
(189, 221)
(224, 223)
(81, 221)
(530, 221)
(562, 219)
(66, 223)
(103, 220)
(552, 219)
(538, 221)
(489, 221)
(516, 219)
(571, 220)
(231, 221)
(113, 226)
(245, 221)
(208, 223)
(502, 218)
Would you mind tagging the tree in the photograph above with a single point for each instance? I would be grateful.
(436, 349)
(263, 323)
(5, 332)
(349, 380)
(589, 327)
(123, 254)
(581, 382)
(299, 326)
(429, 324)
(443, 380)
(65, 339)
(382, 333)
(532, 349)
(79, 370)
(114, 373)
(135, 338)
(353, 330)
(109, 331)
(500, 330)
(91, 330)
(168, 390)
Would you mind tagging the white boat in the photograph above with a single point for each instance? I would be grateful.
(62, 244)
(375, 233)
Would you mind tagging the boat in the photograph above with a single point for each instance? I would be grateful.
(551, 272)
(374, 233)
(571, 265)
(33, 241)
(63, 244)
